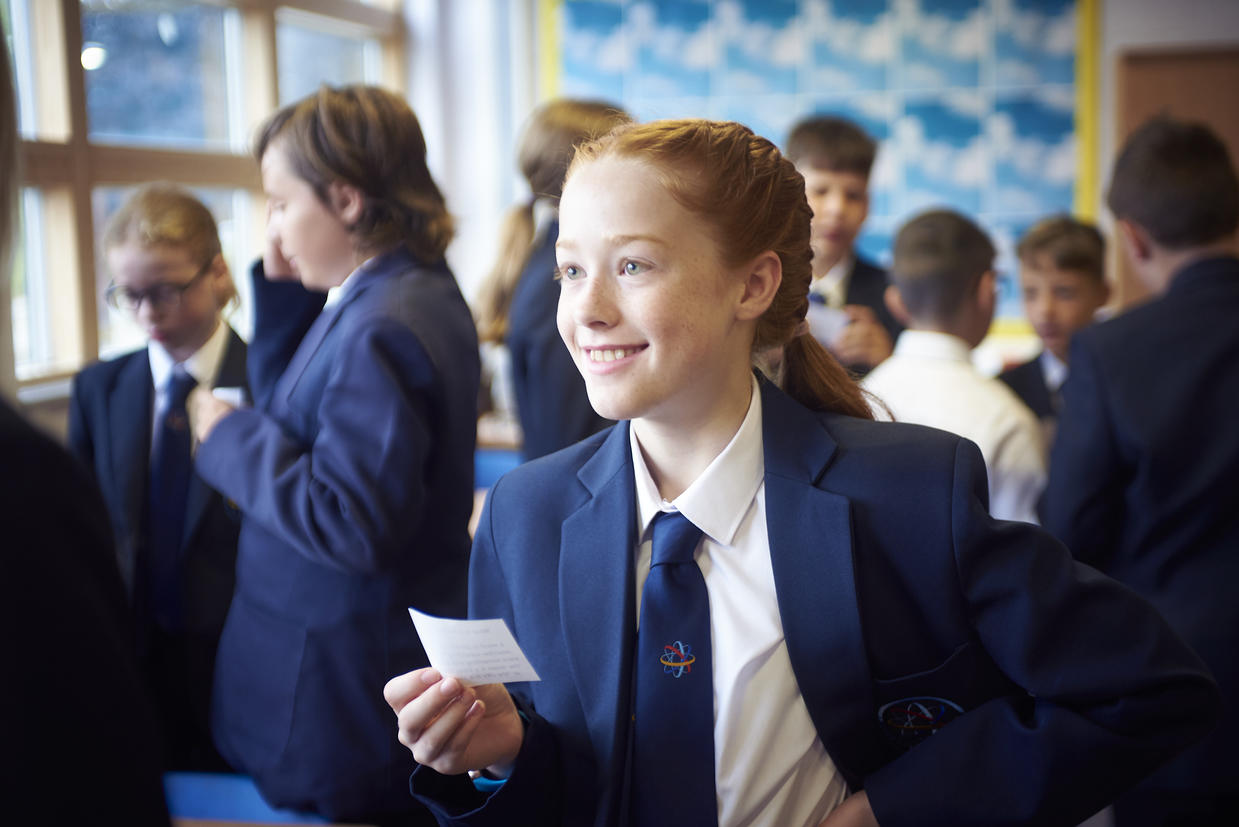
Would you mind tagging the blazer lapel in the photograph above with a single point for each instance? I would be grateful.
(597, 598)
(129, 431)
(231, 375)
(811, 552)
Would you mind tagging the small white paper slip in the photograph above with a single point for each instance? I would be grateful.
(472, 651)
(826, 323)
(232, 395)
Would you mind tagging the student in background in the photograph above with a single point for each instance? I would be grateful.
(176, 539)
(835, 156)
(835, 631)
(79, 738)
(355, 478)
(517, 302)
(944, 290)
(1063, 279)
(1142, 474)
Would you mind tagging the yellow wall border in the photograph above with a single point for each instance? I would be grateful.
(1088, 106)
(549, 15)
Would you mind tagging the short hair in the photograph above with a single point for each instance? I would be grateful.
(370, 139)
(166, 215)
(1176, 180)
(831, 143)
(939, 256)
(1067, 244)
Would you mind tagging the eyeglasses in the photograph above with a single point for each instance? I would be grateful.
(165, 296)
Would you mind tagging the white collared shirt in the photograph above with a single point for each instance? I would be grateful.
(930, 380)
(1053, 370)
(336, 294)
(203, 365)
(833, 284)
(770, 765)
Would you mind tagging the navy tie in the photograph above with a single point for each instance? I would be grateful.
(169, 489)
(673, 718)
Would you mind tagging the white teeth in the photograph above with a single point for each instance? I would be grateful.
(611, 354)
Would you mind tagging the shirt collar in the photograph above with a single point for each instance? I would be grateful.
(203, 365)
(336, 294)
(833, 284)
(930, 344)
(717, 501)
(1053, 369)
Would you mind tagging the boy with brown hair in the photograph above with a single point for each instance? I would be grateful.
(835, 156)
(1062, 277)
(944, 291)
(1143, 484)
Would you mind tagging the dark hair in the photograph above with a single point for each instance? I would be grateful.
(1176, 180)
(1068, 244)
(370, 139)
(755, 199)
(831, 143)
(939, 256)
(545, 150)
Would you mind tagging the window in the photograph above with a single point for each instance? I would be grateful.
(115, 93)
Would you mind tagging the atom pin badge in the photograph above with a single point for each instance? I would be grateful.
(909, 721)
(677, 659)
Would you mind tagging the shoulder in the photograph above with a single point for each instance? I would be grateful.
(103, 374)
(553, 479)
(864, 268)
(1018, 374)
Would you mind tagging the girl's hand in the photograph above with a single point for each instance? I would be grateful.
(853, 812)
(205, 411)
(452, 728)
(274, 266)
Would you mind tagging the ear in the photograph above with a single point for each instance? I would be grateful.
(762, 278)
(894, 303)
(221, 281)
(1135, 241)
(347, 201)
(987, 291)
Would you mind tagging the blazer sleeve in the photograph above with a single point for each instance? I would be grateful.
(533, 793)
(1111, 691)
(1083, 501)
(353, 498)
(283, 312)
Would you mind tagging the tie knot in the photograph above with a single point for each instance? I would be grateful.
(675, 539)
(179, 387)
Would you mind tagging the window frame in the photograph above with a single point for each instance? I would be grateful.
(65, 166)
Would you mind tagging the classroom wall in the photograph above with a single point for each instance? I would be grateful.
(1129, 24)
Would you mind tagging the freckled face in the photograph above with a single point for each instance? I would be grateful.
(647, 307)
(1058, 303)
(840, 203)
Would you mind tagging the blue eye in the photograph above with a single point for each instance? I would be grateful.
(633, 268)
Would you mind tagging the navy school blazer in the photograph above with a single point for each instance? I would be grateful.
(110, 413)
(894, 584)
(355, 485)
(1028, 381)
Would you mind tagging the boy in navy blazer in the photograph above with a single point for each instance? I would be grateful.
(835, 156)
(355, 477)
(879, 650)
(1142, 474)
(1063, 281)
(163, 252)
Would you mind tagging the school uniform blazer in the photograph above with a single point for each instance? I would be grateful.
(355, 486)
(1028, 382)
(894, 585)
(551, 400)
(867, 287)
(1142, 477)
(110, 429)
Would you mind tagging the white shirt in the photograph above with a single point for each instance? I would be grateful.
(1053, 370)
(930, 380)
(770, 765)
(833, 284)
(203, 365)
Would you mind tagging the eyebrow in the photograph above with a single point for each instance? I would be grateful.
(619, 240)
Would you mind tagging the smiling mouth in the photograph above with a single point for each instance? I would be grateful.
(611, 354)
